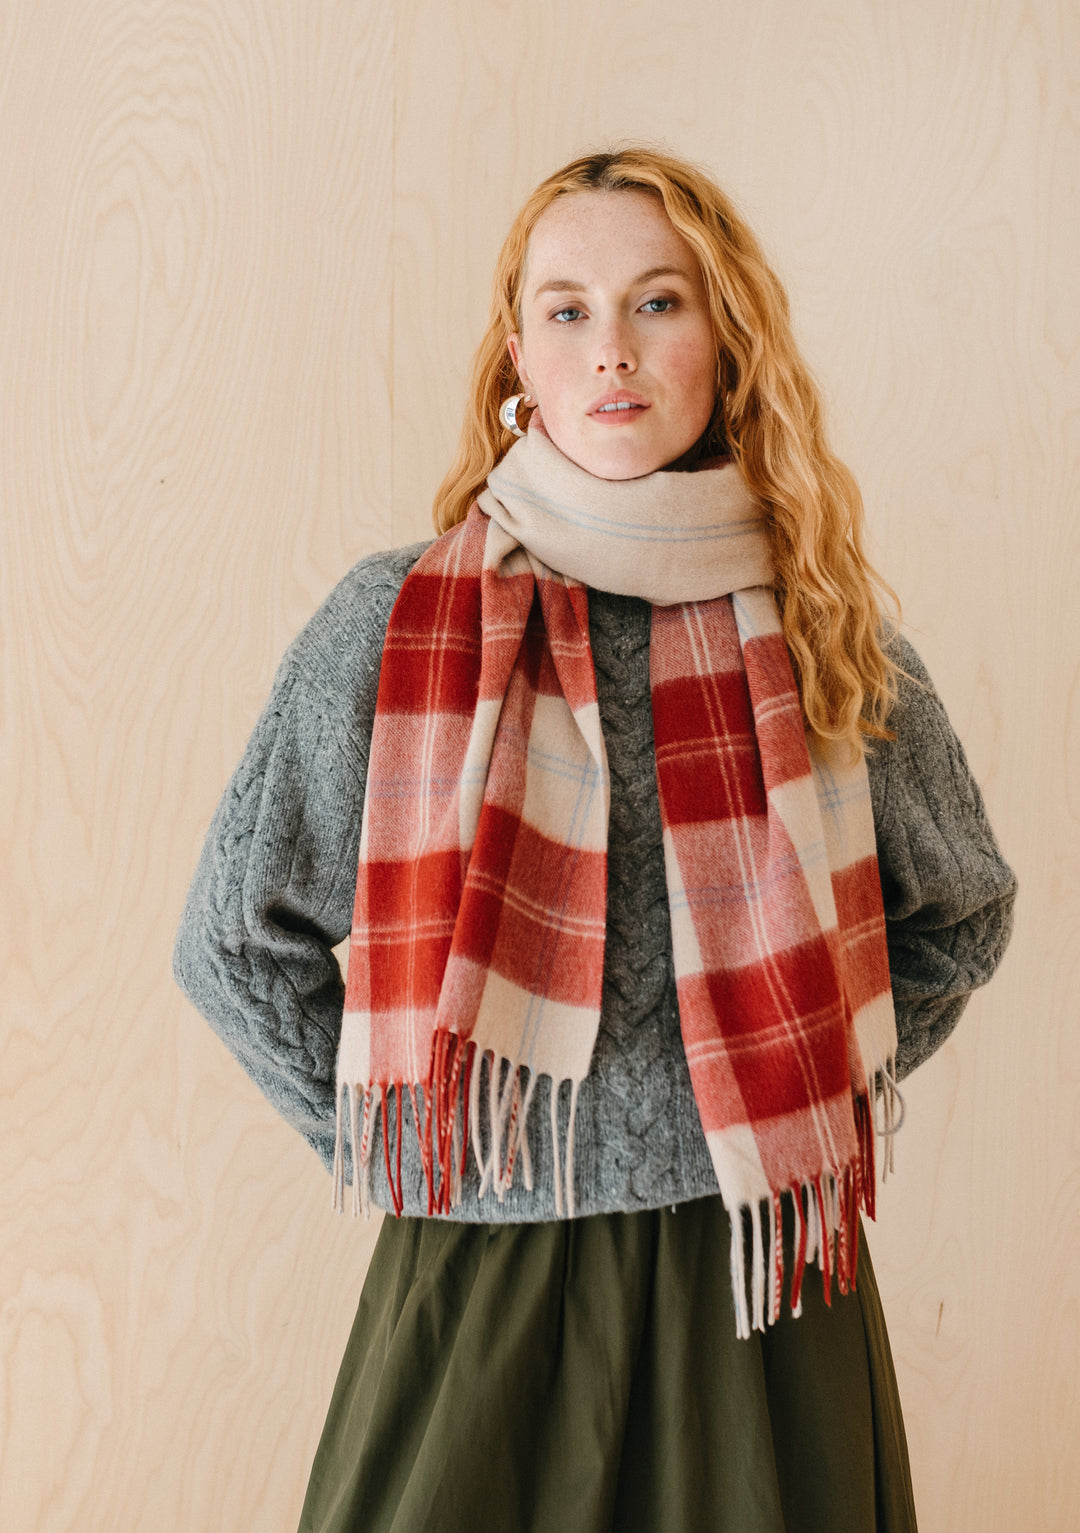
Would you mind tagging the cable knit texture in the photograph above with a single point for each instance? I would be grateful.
(273, 894)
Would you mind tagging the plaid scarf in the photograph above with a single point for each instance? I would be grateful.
(478, 930)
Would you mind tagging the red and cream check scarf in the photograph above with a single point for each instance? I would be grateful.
(478, 932)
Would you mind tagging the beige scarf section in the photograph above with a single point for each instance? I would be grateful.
(614, 535)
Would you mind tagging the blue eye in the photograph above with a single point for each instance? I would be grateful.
(647, 305)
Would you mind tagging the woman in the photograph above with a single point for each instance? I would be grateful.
(670, 867)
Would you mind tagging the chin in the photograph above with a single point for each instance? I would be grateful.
(622, 460)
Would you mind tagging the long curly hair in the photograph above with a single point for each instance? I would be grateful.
(768, 417)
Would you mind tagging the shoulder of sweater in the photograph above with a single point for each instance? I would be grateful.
(921, 782)
(924, 766)
(907, 657)
(917, 712)
(350, 625)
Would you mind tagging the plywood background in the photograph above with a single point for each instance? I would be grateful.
(244, 259)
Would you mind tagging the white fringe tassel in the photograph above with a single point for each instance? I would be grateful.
(738, 1276)
(883, 1088)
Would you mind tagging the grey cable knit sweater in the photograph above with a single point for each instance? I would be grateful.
(273, 894)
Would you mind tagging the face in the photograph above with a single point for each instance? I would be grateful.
(600, 322)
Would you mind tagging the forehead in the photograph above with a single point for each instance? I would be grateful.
(594, 238)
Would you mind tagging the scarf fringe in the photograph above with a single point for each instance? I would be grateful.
(882, 1088)
(450, 1120)
(825, 1210)
(825, 1216)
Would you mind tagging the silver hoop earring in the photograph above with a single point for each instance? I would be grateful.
(508, 413)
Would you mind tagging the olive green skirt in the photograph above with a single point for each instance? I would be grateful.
(585, 1377)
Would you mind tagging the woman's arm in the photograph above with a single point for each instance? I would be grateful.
(273, 891)
(947, 889)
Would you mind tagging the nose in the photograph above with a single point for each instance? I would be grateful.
(615, 350)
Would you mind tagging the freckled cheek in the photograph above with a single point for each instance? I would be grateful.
(559, 384)
(691, 379)
(688, 369)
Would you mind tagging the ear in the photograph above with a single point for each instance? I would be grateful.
(513, 345)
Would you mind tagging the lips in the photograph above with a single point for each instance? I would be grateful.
(636, 402)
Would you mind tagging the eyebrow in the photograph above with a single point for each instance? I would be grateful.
(573, 285)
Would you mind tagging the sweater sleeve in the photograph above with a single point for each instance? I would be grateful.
(273, 891)
(948, 892)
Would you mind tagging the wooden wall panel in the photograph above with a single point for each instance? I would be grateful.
(247, 255)
(195, 382)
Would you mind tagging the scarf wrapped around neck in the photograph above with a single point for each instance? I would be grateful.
(478, 929)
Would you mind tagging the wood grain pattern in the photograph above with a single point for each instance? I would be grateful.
(247, 256)
(196, 405)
